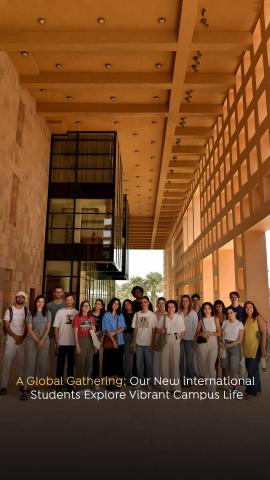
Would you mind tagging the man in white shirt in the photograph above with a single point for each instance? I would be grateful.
(144, 324)
(64, 337)
(15, 328)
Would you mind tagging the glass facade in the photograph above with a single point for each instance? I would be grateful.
(86, 242)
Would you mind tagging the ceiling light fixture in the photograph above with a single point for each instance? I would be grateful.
(116, 123)
(158, 65)
(156, 98)
(43, 90)
(41, 21)
(69, 97)
(113, 99)
(161, 20)
(59, 65)
(101, 20)
(135, 134)
(78, 122)
(204, 20)
(136, 151)
(137, 165)
(108, 65)
(154, 123)
(152, 157)
(24, 53)
(153, 141)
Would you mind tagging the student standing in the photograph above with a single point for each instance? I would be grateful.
(187, 343)
(56, 304)
(170, 355)
(144, 325)
(254, 346)
(98, 312)
(234, 297)
(37, 342)
(230, 342)
(64, 337)
(209, 329)
(82, 323)
(15, 328)
(160, 314)
(113, 325)
(128, 312)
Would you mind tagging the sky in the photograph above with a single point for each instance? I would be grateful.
(142, 262)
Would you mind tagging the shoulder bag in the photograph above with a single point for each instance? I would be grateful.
(201, 339)
(107, 341)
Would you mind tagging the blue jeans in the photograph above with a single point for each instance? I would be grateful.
(186, 359)
(144, 358)
(252, 366)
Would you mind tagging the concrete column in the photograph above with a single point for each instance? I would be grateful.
(256, 275)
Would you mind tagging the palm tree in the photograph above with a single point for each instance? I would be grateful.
(153, 285)
(124, 291)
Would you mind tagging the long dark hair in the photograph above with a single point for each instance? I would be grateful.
(204, 305)
(81, 307)
(44, 308)
(110, 304)
(131, 304)
(255, 313)
(219, 302)
(102, 310)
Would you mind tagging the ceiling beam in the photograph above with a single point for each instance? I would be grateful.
(209, 80)
(200, 109)
(187, 23)
(85, 42)
(177, 186)
(82, 80)
(173, 194)
(221, 41)
(180, 176)
(188, 149)
(194, 132)
(101, 109)
(184, 164)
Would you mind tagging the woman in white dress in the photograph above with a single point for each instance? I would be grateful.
(170, 355)
(160, 314)
(208, 330)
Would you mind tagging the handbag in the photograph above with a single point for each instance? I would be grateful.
(95, 340)
(161, 340)
(107, 341)
(201, 339)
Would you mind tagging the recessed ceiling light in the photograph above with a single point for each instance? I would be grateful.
(154, 123)
(78, 122)
(150, 190)
(137, 165)
(43, 90)
(59, 65)
(113, 99)
(101, 20)
(156, 98)
(24, 53)
(161, 20)
(137, 186)
(153, 141)
(137, 176)
(108, 65)
(135, 134)
(116, 123)
(136, 151)
(152, 157)
(41, 21)
(138, 194)
(174, 157)
(151, 170)
(158, 65)
(69, 97)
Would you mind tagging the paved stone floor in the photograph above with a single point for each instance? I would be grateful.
(137, 438)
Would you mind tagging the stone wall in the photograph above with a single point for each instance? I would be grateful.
(24, 162)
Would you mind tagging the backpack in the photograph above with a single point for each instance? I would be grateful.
(11, 316)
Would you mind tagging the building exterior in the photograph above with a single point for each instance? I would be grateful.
(182, 90)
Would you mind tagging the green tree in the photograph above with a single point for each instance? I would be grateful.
(124, 291)
(153, 285)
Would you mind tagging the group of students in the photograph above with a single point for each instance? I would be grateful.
(179, 342)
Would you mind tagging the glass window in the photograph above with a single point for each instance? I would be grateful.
(62, 176)
(58, 268)
(61, 205)
(60, 235)
(63, 161)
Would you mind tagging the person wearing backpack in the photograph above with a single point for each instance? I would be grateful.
(15, 329)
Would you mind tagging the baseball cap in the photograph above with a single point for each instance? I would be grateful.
(21, 294)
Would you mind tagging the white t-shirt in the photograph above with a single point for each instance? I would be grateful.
(18, 320)
(191, 323)
(176, 324)
(145, 322)
(231, 330)
(63, 320)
